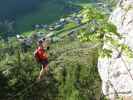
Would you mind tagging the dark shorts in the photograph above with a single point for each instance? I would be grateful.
(44, 63)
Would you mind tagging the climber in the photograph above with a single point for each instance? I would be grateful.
(42, 58)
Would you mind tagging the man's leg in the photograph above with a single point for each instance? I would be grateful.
(46, 69)
(40, 74)
(43, 71)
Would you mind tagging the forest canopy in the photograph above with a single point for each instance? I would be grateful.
(9, 9)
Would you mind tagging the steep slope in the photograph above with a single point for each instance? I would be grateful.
(72, 74)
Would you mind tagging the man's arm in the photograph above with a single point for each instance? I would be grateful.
(36, 57)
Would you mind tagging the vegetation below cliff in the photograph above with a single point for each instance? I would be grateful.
(72, 73)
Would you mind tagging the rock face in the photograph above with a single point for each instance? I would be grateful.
(117, 72)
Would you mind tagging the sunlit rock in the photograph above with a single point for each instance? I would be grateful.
(117, 72)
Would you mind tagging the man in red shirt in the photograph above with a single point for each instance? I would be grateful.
(41, 57)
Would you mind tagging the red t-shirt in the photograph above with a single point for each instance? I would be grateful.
(41, 54)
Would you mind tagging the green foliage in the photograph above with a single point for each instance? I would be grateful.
(100, 31)
(3, 86)
(76, 71)
(110, 3)
(127, 50)
(20, 71)
(73, 73)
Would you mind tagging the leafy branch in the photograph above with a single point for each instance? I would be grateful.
(100, 30)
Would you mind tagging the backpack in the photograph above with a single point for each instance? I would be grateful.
(40, 55)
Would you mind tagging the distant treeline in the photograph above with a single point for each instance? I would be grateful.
(10, 9)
